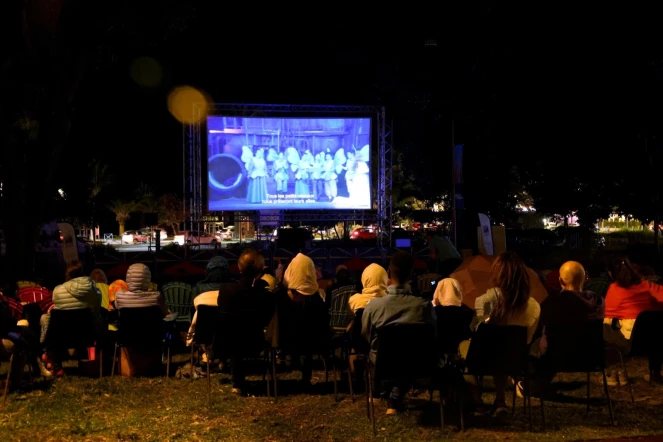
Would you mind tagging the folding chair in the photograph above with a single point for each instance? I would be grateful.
(207, 322)
(575, 348)
(646, 341)
(142, 328)
(30, 295)
(406, 352)
(339, 318)
(502, 351)
(73, 329)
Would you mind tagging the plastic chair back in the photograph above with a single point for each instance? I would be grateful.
(140, 327)
(339, 314)
(30, 295)
(453, 327)
(71, 329)
(574, 348)
(405, 352)
(179, 299)
(498, 350)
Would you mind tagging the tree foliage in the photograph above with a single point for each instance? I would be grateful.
(172, 211)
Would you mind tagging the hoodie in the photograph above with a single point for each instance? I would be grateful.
(138, 295)
(216, 273)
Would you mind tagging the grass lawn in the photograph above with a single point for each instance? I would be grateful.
(134, 409)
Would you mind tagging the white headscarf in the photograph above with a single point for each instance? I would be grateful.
(374, 280)
(448, 293)
(300, 275)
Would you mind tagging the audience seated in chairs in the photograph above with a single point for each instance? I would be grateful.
(510, 304)
(571, 306)
(206, 292)
(304, 318)
(79, 292)
(374, 280)
(250, 307)
(341, 279)
(628, 296)
(138, 294)
(454, 318)
(399, 307)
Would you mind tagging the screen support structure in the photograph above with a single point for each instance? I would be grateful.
(194, 204)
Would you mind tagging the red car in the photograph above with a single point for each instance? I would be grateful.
(363, 233)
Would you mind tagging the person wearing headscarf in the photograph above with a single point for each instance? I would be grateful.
(304, 316)
(374, 281)
(448, 293)
(139, 295)
(206, 292)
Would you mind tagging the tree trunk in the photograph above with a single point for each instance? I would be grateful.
(121, 223)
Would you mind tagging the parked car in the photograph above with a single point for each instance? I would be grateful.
(196, 238)
(163, 235)
(135, 236)
(363, 233)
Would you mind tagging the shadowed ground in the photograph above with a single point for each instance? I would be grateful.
(82, 408)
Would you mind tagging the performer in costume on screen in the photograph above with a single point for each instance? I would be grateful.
(350, 166)
(330, 177)
(317, 181)
(280, 174)
(257, 173)
(302, 178)
(292, 156)
(361, 181)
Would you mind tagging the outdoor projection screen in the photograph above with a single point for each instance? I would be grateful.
(288, 163)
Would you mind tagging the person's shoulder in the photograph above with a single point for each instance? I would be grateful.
(533, 305)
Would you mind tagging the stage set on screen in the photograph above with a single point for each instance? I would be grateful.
(288, 163)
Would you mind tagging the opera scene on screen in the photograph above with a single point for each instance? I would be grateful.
(292, 163)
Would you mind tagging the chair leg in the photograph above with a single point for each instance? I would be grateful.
(368, 392)
(114, 361)
(607, 395)
(543, 415)
(347, 359)
(168, 362)
(209, 384)
(274, 375)
(588, 397)
(192, 348)
(4, 396)
(528, 398)
(334, 368)
(630, 385)
(441, 409)
(372, 409)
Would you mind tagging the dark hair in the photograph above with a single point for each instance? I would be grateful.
(74, 270)
(402, 264)
(509, 274)
(343, 275)
(251, 263)
(622, 272)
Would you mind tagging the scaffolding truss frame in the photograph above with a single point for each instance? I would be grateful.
(193, 144)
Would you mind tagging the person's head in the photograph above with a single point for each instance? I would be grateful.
(572, 276)
(401, 267)
(342, 275)
(98, 276)
(300, 275)
(139, 277)
(374, 280)
(260, 154)
(622, 272)
(328, 157)
(74, 270)
(510, 276)
(281, 156)
(217, 270)
(251, 263)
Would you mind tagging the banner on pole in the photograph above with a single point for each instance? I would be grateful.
(457, 172)
(486, 233)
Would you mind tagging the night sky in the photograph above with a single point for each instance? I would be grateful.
(551, 80)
